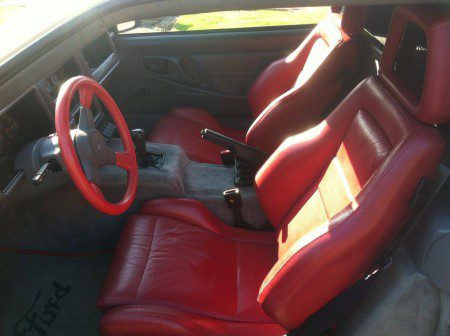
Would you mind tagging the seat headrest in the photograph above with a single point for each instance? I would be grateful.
(353, 19)
(415, 66)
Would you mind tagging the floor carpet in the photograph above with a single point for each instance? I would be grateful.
(50, 295)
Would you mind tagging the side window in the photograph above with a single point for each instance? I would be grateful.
(412, 57)
(377, 22)
(227, 20)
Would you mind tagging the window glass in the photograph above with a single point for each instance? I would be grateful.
(412, 57)
(229, 20)
(377, 21)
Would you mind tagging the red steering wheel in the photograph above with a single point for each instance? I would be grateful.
(84, 149)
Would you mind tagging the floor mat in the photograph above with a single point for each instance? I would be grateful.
(50, 295)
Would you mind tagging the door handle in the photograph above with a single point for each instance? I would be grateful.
(190, 71)
(155, 65)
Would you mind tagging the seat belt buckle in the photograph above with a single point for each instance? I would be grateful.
(227, 157)
(233, 198)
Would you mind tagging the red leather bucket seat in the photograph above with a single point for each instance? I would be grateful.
(290, 96)
(336, 195)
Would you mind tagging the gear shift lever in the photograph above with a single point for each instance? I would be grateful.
(138, 136)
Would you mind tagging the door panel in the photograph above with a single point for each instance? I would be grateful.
(210, 70)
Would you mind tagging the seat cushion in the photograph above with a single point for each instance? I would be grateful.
(177, 254)
(160, 320)
(182, 127)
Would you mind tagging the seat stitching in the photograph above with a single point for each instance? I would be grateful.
(351, 214)
(119, 310)
(411, 128)
(406, 115)
(323, 203)
(320, 176)
(249, 241)
(193, 310)
(146, 260)
(237, 278)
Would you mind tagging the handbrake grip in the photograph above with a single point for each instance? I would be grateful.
(241, 150)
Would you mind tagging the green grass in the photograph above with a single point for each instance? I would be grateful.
(234, 19)
(245, 19)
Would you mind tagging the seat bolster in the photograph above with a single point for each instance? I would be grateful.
(196, 213)
(291, 113)
(279, 76)
(312, 150)
(161, 320)
(195, 114)
(304, 105)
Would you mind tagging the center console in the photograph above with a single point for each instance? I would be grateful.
(175, 175)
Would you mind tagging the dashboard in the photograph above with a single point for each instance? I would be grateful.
(24, 121)
(31, 115)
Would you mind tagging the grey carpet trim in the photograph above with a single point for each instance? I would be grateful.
(402, 302)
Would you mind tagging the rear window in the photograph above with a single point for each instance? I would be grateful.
(377, 23)
(412, 57)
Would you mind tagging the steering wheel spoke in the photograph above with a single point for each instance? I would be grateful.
(86, 95)
(97, 190)
(109, 156)
(91, 170)
(86, 119)
(124, 160)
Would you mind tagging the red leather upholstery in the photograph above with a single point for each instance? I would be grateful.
(295, 70)
(336, 195)
(178, 256)
(302, 102)
(353, 20)
(161, 320)
(359, 169)
(336, 214)
(434, 105)
(290, 95)
(182, 126)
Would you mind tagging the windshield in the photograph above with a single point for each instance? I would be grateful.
(24, 21)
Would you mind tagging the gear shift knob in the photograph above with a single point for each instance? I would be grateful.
(138, 136)
(138, 133)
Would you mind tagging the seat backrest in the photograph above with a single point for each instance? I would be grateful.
(293, 93)
(338, 193)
